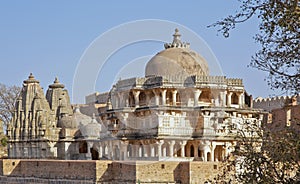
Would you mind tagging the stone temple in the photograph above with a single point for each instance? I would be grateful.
(177, 112)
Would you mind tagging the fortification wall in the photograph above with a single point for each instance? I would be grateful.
(45, 171)
(269, 104)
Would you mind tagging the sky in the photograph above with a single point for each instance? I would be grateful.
(51, 38)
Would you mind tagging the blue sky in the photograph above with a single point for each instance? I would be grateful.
(48, 38)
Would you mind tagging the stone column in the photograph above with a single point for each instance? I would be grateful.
(174, 93)
(123, 149)
(197, 93)
(240, 96)
(145, 148)
(125, 152)
(100, 151)
(126, 97)
(152, 150)
(89, 154)
(156, 97)
(182, 148)
(159, 144)
(171, 148)
(229, 99)
(136, 95)
(163, 95)
(212, 153)
(223, 98)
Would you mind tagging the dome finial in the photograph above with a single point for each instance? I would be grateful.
(176, 41)
(176, 37)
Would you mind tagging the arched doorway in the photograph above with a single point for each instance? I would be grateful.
(83, 147)
(208, 156)
(95, 154)
(192, 150)
(234, 99)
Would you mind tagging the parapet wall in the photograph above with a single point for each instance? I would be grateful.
(44, 171)
(269, 104)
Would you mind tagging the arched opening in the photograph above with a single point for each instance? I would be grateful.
(142, 99)
(186, 148)
(131, 99)
(205, 97)
(219, 153)
(234, 99)
(95, 154)
(169, 98)
(151, 98)
(208, 156)
(192, 150)
(164, 150)
(178, 153)
(83, 147)
(200, 153)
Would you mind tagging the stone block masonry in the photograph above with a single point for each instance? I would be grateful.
(51, 171)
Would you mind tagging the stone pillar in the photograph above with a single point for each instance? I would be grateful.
(240, 96)
(100, 151)
(146, 150)
(126, 97)
(159, 144)
(171, 148)
(212, 153)
(196, 148)
(152, 150)
(163, 95)
(89, 154)
(140, 151)
(223, 98)
(197, 93)
(111, 148)
(182, 148)
(156, 97)
(136, 95)
(125, 152)
(229, 99)
(174, 100)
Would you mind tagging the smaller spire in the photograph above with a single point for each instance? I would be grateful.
(30, 76)
(56, 81)
(31, 79)
(56, 84)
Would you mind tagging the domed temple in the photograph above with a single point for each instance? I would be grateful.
(177, 112)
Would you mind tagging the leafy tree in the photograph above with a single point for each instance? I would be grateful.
(8, 97)
(278, 36)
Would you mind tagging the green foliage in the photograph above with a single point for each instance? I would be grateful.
(279, 37)
(4, 141)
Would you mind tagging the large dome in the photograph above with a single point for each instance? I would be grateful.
(177, 59)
